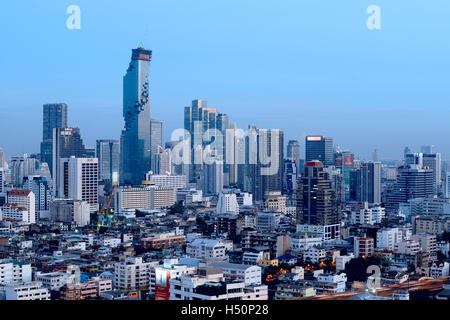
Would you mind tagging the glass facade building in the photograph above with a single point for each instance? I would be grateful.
(108, 154)
(54, 116)
(135, 141)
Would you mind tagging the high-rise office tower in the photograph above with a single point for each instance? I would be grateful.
(21, 167)
(344, 160)
(337, 183)
(222, 122)
(223, 125)
(42, 194)
(428, 160)
(293, 150)
(108, 155)
(365, 183)
(290, 177)
(155, 142)
(316, 199)
(413, 181)
(414, 159)
(234, 153)
(427, 149)
(79, 180)
(433, 161)
(163, 162)
(67, 142)
(135, 141)
(375, 155)
(2, 180)
(447, 184)
(406, 151)
(293, 153)
(270, 160)
(2, 158)
(319, 148)
(44, 171)
(201, 123)
(264, 161)
(54, 116)
(212, 177)
(90, 152)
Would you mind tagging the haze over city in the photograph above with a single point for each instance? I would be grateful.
(300, 67)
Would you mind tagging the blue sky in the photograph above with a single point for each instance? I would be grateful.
(306, 67)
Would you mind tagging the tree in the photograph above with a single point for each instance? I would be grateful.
(356, 269)
(176, 208)
(441, 256)
(446, 236)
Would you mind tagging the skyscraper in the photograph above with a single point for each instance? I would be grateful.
(2, 180)
(344, 160)
(156, 142)
(406, 151)
(212, 177)
(319, 148)
(447, 184)
(198, 119)
(290, 177)
(21, 167)
(413, 181)
(433, 161)
(293, 153)
(233, 155)
(79, 180)
(67, 142)
(163, 162)
(54, 116)
(375, 155)
(108, 154)
(293, 149)
(427, 149)
(42, 194)
(2, 159)
(428, 160)
(365, 183)
(135, 141)
(264, 161)
(271, 160)
(316, 199)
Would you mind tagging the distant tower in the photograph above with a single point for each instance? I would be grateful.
(375, 155)
(135, 139)
(427, 149)
(198, 119)
(67, 142)
(293, 153)
(156, 142)
(316, 199)
(2, 159)
(108, 154)
(319, 148)
(54, 116)
(406, 151)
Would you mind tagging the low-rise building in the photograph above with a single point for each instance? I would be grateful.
(27, 291)
(209, 248)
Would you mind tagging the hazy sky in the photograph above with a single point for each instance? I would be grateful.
(306, 67)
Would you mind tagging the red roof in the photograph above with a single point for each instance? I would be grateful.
(19, 193)
(314, 163)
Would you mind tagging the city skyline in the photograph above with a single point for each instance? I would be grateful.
(346, 86)
(233, 151)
